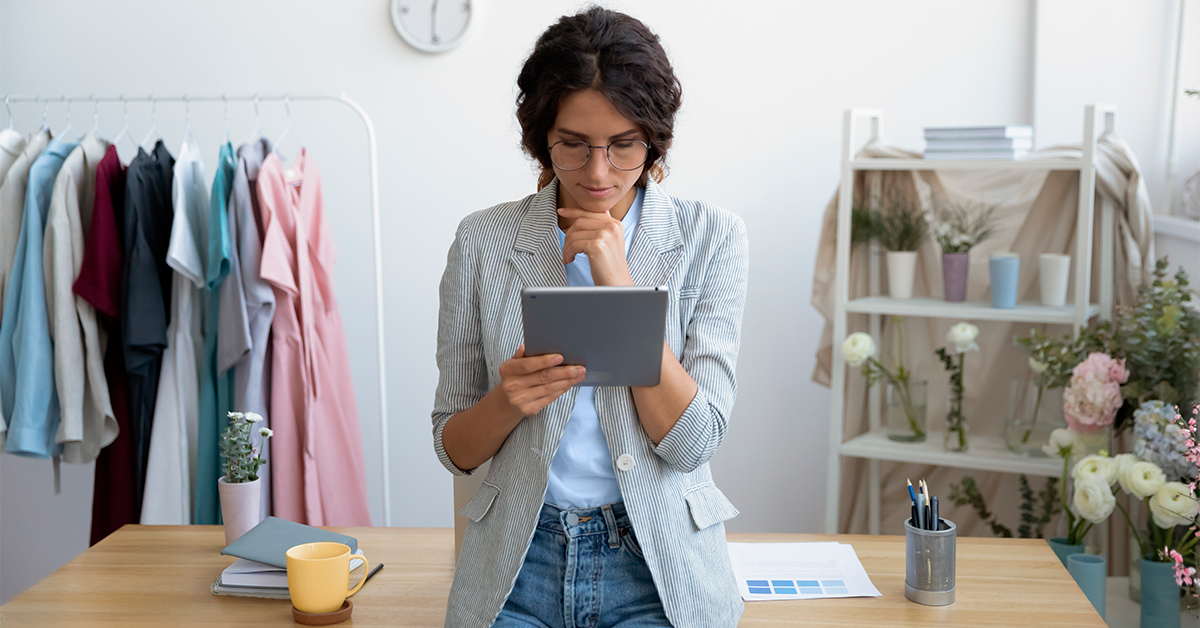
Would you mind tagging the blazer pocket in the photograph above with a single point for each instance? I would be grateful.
(708, 505)
(481, 502)
(689, 292)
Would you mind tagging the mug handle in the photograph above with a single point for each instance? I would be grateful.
(366, 572)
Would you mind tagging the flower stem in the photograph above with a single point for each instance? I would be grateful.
(1133, 529)
(1037, 406)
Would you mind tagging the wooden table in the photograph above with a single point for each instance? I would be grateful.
(160, 576)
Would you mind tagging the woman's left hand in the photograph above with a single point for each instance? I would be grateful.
(602, 238)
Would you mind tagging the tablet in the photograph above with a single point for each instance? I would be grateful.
(616, 332)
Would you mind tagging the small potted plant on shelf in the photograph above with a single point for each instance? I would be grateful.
(962, 338)
(905, 398)
(900, 230)
(240, 488)
(958, 227)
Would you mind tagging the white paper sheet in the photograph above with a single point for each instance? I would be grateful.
(799, 571)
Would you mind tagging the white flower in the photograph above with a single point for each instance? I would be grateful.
(235, 415)
(1124, 461)
(1173, 505)
(265, 432)
(1142, 479)
(1038, 367)
(1063, 441)
(1094, 467)
(962, 336)
(858, 347)
(1093, 500)
(253, 417)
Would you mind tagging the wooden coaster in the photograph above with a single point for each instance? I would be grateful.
(323, 619)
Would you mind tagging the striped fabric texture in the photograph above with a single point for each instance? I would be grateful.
(700, 252)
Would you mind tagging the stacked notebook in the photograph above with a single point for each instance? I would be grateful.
(978, 142)
(261, 566)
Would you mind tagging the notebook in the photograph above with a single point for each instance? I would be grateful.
(269, 541)
(248, 573)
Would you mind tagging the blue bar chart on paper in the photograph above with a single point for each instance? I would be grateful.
(791, 571)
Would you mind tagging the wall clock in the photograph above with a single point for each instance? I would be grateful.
(432, 25)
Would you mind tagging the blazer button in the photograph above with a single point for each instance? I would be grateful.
(625, 462)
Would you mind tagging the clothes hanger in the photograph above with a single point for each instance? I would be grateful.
(188, 137)
(225, 105)
(8, 107)
(45, 114)
(68, 130)
(257, 132)
(287, 129)
(95, 131)
(153, 132)
(125, 132)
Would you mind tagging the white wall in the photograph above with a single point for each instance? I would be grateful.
(764, 88)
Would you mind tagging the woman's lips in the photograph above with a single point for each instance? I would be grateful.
(597, 192)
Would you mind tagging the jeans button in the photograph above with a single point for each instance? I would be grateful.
(572, 519)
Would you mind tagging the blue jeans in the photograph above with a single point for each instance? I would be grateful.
(584, 569)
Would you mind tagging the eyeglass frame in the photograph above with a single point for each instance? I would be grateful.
(607, 155)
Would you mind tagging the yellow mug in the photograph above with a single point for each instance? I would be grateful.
(318, 576)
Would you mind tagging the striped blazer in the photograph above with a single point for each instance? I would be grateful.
(700, 252)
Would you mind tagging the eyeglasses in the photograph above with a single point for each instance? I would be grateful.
(622, 154)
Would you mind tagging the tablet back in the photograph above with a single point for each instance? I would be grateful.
(616, 332)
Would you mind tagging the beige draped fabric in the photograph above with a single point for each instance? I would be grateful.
(1037, 213)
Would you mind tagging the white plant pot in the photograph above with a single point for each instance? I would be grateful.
(901, 267)
(1053, 273)
(240, 502)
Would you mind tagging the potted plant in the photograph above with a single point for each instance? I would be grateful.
(1051, 362)
(905, 399)
(958, 227)
(240, 488)
(900, 230)
(962, 338)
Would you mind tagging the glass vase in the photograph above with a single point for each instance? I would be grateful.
(956, 427)
(906, 412)
(1033, 412)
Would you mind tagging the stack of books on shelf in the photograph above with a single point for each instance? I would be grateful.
(959, 143)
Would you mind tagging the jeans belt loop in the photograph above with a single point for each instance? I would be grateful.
(614, 537)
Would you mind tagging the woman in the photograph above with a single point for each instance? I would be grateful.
(599, 508)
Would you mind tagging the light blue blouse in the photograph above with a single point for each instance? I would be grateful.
(582, 474)
(26, 354)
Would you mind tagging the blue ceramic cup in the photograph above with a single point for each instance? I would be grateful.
(1004, 269)
(1090, 573)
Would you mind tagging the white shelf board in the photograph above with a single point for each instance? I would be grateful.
(979, 164)
(969, 310)
(986, 453)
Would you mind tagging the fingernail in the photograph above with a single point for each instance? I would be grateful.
(557, 359)
(579, 370)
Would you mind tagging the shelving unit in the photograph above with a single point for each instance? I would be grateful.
(987, 453)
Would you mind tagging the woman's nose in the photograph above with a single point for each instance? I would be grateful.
(597, 165)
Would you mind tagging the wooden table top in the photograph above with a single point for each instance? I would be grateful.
(160, 576)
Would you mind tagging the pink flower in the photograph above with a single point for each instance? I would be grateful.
(1183, 575)
(1091, 402)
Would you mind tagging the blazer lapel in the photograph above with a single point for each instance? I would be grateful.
(536, 255)
(657, 245)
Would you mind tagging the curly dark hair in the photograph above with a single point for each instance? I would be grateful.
(614, 54)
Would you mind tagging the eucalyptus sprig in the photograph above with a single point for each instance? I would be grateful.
(242, 459)
(899, 226)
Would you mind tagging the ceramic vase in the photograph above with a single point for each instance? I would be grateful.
(1160, 595)
(1053, 274)
(1062, 549)
(955, 270)
(1090, 573)
(240, 505)
(901, 267)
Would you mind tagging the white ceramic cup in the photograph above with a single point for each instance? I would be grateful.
(901, 267)
(1053, 273)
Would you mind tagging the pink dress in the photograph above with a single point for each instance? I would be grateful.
(316, 461)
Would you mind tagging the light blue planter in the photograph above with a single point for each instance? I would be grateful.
(1090, 573)
(1063, 550)
(1004, 272)
(1160, 595)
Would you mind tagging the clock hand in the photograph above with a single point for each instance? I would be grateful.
(433, 22)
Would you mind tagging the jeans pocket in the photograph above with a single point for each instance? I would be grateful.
(630, 543)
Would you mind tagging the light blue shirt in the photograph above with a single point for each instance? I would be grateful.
(582, 474)
(27, 389)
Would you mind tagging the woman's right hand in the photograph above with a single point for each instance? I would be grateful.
(528, 384)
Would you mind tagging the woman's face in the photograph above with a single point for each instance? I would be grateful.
(597, 187)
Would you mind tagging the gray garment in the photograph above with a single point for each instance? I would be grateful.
(12, 205)
(247, 300)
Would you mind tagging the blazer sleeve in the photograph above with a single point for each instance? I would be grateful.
(462, 365)
(709, 356)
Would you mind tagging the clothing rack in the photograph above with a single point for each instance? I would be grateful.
(373, 159)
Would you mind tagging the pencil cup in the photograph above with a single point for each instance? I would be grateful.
(929, 564)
